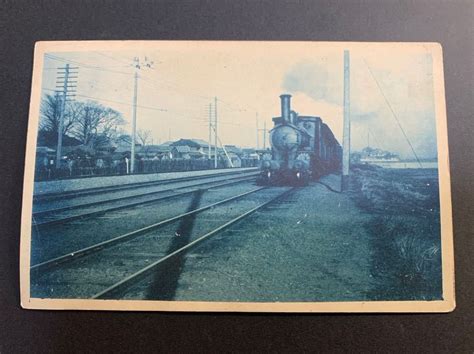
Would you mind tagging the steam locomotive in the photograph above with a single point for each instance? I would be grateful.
(303, 148)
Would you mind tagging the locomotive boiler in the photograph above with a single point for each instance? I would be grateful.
(302, 148)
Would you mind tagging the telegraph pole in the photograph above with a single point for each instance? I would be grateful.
(264, 135)
(346, 139)
(137, 66)
(68, 87)
(264, 130)
(257, 130)
(134, 120)
(209, 142)
(215, 132)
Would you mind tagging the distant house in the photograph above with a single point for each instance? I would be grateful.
(154, 151)
(50, 139)
(192, 143)
(180, 152)
(45, 156)
(81, 150)
(236, 160)
(233, 149)
(373, 155)
(250, 153)
(194, 148)
(122, 144)
(44, 150)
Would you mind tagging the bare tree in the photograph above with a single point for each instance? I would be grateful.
(96, 123)
(144, 136)
(50, 113)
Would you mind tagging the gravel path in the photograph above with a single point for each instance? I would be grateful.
(311, 247)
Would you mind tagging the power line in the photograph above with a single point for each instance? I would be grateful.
(196, 121)
(154, 82)
(151, 82)
(127, 64)
(394, 115)
(113, 101)
(375, 137)
(86, 66)
(236, 107)
(179, 116)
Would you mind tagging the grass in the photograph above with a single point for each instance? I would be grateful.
(404, 230)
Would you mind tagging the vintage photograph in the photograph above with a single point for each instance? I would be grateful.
(237, 176)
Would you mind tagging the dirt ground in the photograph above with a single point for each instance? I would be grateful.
(312, 246)
(380, 241)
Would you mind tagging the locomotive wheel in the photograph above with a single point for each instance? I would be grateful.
(301, 178)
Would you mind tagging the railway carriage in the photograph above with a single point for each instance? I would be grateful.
(303, 148)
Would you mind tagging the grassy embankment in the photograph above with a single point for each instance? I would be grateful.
(404, 229)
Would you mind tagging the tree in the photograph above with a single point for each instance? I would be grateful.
(144, 136)
(96, 124)
(50, 113)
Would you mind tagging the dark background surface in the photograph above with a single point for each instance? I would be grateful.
(23, 22)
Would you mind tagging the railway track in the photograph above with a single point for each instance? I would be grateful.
(129, 186)
(114, 265)
(67, 213)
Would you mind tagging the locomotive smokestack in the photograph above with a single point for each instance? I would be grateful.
(285, 108)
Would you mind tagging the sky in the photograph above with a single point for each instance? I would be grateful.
(386, 84)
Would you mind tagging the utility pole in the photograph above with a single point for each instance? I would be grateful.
(209, 141)
(137, 66)
(264, 130)
(134, 120)
(215, 132)
(257, 130)
(346, 139)
(264, 135)
(68, 87)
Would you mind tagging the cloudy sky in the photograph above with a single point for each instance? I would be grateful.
(247, 79)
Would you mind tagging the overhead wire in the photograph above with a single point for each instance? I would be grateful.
(394, 115)
(83, 65)
(154, 84)
(114, 58)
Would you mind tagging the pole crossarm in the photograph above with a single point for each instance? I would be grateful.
(63, 80)
(137, 64)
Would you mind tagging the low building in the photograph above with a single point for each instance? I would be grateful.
(154, 152)
(236, 160)
(374, 155)
(180, 152)
(250, 153)
(234, 149)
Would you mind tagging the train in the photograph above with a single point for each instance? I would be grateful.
(303, 148)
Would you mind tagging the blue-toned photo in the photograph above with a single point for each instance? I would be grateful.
(259, 173)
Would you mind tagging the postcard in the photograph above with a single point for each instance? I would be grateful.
(249, 176)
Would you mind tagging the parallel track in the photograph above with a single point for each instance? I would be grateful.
(127, 282)
(129, 186)
(212, 184)
(119, 286)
